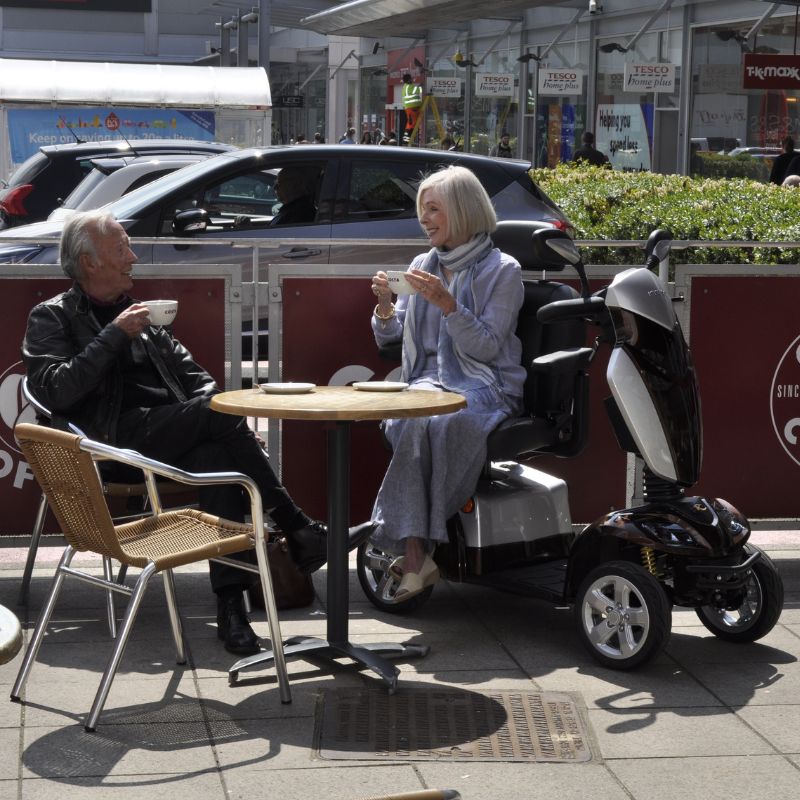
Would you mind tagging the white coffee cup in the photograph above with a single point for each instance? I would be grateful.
(398, 282)
(162, 312)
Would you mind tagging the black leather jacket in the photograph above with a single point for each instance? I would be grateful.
(74, 368)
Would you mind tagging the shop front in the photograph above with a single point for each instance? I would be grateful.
(662, 86)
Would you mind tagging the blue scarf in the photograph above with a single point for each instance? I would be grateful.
(457, 370)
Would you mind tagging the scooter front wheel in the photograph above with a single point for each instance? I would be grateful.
(379, 585)
(623, 615)
(758, 610)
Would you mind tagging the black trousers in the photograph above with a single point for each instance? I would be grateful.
(193, 437)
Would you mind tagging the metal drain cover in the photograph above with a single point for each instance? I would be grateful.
(451, 725)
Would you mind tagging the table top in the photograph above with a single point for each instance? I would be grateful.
(338, 403)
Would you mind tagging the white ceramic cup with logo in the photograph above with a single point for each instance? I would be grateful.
(162, 312)
(398, 282)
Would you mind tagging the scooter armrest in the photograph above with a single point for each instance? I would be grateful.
(564, 361)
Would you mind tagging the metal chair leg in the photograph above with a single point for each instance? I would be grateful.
(174, 616)
(119, 647)
(41, 625)
(272, 620)
(33, 547)
(111, 605)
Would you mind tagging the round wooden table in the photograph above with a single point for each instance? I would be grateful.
(342, 405)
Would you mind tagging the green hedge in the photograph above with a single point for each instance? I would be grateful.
(605, 204)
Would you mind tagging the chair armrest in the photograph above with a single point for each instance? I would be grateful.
(564, 361)
(151, 467)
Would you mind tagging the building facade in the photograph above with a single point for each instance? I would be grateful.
(662, 85)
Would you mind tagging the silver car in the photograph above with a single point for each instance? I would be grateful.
(112, 178)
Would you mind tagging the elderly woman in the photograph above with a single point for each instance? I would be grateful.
(457, 331)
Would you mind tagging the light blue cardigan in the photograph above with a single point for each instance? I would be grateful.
(477, 345)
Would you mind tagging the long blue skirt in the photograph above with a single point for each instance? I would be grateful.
(435, 466)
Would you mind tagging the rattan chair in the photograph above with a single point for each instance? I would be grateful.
(113, 487)
(64, 465)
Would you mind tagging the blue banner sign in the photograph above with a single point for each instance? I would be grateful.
(31, 128)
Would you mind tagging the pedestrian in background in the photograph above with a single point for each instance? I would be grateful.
(588, 152)
(780, 166)
(503, 148)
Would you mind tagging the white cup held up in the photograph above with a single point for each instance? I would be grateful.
(162, 312)
(398, 282)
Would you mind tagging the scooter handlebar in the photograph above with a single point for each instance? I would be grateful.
(578, 308)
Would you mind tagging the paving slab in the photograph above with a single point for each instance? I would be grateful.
(725, 778)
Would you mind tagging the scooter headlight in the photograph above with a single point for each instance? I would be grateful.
(732, 520)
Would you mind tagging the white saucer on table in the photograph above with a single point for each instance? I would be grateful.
(287, 388)
(380, 386)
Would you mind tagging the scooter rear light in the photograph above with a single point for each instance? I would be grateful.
(468, 507)
(13, 202)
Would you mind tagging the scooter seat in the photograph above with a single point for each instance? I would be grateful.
(515, 437)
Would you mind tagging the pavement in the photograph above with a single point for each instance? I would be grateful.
(706, 719)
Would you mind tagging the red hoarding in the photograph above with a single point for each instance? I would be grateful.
(744, 338)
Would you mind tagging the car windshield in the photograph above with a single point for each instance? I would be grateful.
(131, 204)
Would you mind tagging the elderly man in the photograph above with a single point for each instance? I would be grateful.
(94, 359)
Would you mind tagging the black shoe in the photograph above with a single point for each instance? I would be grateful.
(233, 627)
(360, 533)
(308, 546)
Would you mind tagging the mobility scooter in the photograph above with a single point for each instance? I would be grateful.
(623, 572)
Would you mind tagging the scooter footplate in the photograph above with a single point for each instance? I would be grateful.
(545, 581)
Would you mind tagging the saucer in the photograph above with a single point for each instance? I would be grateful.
(287, 388)
(380, 386)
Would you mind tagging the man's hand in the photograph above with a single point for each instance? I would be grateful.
(133, 320)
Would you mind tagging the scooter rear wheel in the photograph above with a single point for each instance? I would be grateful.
(759, 610)
(623, 614)
(379, 585)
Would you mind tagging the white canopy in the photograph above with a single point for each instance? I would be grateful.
(101, 83)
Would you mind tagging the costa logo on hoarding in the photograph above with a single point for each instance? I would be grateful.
(13, 406)
(785, 401)
(13, 409)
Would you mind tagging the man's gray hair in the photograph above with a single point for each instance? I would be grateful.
(77, 239)
(468, 207)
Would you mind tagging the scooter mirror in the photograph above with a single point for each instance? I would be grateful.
(661, 250)
(658, 245)
(554, 250)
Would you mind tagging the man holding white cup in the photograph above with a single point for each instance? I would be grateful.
(94, 359)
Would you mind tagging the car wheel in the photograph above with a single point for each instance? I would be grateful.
(756, 614)
(623, 615)
(379, 585)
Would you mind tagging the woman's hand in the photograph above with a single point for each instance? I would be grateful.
(381, 290)
(431, 288)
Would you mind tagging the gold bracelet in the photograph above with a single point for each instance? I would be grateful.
(388, 316)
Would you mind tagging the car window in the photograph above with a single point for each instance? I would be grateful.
(382, 190)
(87, 185)
(252, 194)
(143, 180)
(255, 199)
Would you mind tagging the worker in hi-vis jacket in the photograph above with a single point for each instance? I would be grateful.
(412, 101)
